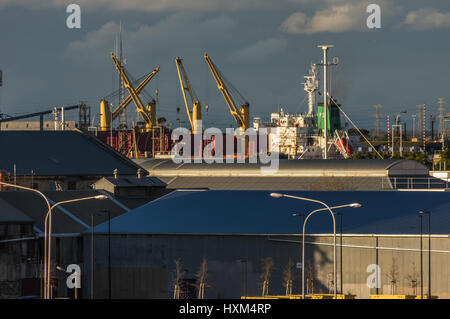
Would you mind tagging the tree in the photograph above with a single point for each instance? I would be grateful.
(392, 276)
(179, 274)
(288, 277)
(267, 267)
(412, 278)
(202, 278)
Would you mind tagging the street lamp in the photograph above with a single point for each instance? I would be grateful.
(421, 213)
(48, 219)
(355, 205)
(303, 220)
(45, 225)
(341, 285)
(109, 251)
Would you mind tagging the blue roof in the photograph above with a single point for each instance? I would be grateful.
(255, 212)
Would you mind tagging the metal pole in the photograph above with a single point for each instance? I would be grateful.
(325, 101)
(429, 255)
(325, 98)
(376, 262)
(340, 230)
(303, 261)
(92, 255)
(245, 278)
(109, 254)
(334, 257)
(303, 221)
(421, 260)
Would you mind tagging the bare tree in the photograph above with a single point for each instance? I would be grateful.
(179, 274)
(412, 279)
(288, 277)
(309, 274)
(202, 278)
(267, 267)
(330, 283)
(392, 276)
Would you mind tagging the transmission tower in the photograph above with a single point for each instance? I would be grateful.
(441, 102)
(419, 121)
(377, 119)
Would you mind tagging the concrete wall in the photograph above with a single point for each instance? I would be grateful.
(143, 265)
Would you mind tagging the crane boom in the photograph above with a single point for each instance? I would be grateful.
(147, 114)
(138, 90)
(196, 106)
(240, 115)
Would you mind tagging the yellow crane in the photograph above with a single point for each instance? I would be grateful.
(107, 116)
(242, 115)
(148, 113)
(185, 85)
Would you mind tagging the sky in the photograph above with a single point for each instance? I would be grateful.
(264, 47)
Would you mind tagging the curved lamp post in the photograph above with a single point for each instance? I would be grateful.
(278, 195)
(48, 218)
(354, 205)
(45, 225)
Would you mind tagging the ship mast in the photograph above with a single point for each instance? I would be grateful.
(325, 96)
(311, 86)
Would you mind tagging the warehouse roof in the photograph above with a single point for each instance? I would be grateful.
(277, 183)
(71, 218)
(255, 212)
(10, 214)
(60, 153)
(166, 167)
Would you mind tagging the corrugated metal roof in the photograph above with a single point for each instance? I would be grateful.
(34, 208)
(255, 212)
(277, 183)
(10, 214)
(166, 167)
(63, 153)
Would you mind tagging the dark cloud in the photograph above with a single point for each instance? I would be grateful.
(264, 47)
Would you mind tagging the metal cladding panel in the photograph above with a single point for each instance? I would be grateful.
(255, 212)
(166, 167)
(277, 183)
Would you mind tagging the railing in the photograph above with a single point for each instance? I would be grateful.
(309, 296)
(415, 183)
(400, 297)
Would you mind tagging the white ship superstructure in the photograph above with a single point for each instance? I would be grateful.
(300, 136)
